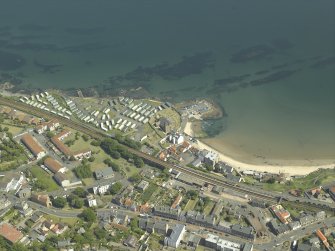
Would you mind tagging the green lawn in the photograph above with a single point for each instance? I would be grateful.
(146, 195)
(317, 178)
(43, 176)
(12, 129)
(208, 208)
(68, 221)
(190, 205)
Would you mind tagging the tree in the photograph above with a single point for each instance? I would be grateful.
(115, 188)
(59, 202)
(88, 215)
(135, 178)
(91, 159)
(79, 191)
(193, 194)
(85, 137)
(138, 162)
(100, 233)
(75, 201)
(50, 134)
(83, 171)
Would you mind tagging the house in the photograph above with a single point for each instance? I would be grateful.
(23, 208)
(64, 243)
(223, 168)
(280, 212)
(10, 233)
(61, 147)
(332, 192)
(131, 241)
(101, 189)
(217, 243)
(35, 148)
(63, 134)
(176, 201)
(41, 128)
(24, 193)
(176, 235)
(294, 225)
(52, 125)
(106, 173)
(165, 125)
(167, 212)
(234, 178)
(211, 158)
(91, 201)
(36, 216)
(306, 220)
(81, 154)
(278, 228)
(248, 247)
(217, 189)
(246, 232)
(61, 179)
(53, 165)
(143, 185)
(42, 199)
(11, 182)
(4, 201)
(175, 138)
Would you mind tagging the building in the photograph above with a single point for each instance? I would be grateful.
(176, 201)
(131, 241)
(165, 125)
(175, 138)
(42, 199)
(106, 173)
(10, 233)
(211, 158)
(278, 228)
(4, 202)
(101, 189)
(216, 243)
(53, 165)
(332, 192)
(143, 185)
(11, 182)
(91, 201)
(61, 147)
(248, 247)
(234, 178)
(176, 235)
(35, 148)
(223, 168)
(62, 180)
(167, 212)
(280, 212)
(24, 208)
(81, 154)
(24, 193)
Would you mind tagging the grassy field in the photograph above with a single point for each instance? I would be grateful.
(68, 221)
(13, 129)
(146, 195)
(208, 208)
(317, 178)
(190, 205)
(46, 178)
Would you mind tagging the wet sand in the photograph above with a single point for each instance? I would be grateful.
(262, 164)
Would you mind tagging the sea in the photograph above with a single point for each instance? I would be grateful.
(269, 64)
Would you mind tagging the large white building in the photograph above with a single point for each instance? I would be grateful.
(11, 182)
(176, 236)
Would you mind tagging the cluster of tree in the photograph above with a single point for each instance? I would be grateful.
(75, 199)
(116, 150)
(128, 142)
(115, 188)
(83, 171)
(88, 215)
(113, 165)
(85, 137)
(10, 150)
(40, 184)
(135, 227)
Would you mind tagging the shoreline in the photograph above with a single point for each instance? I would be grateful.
(290, 170)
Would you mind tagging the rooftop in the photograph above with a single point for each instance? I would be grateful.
(10, 233)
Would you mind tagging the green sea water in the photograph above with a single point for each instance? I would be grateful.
(186, 50)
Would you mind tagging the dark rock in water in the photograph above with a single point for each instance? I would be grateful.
(231, 80)
(323, 63)
(47, 68)
(279, 75)
(281, 44)
(262, 72)
(34, 27)
(84, 31)
(279, 66)
(252, 53)
(10, 61)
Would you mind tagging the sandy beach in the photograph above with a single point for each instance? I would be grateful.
(289, 169)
